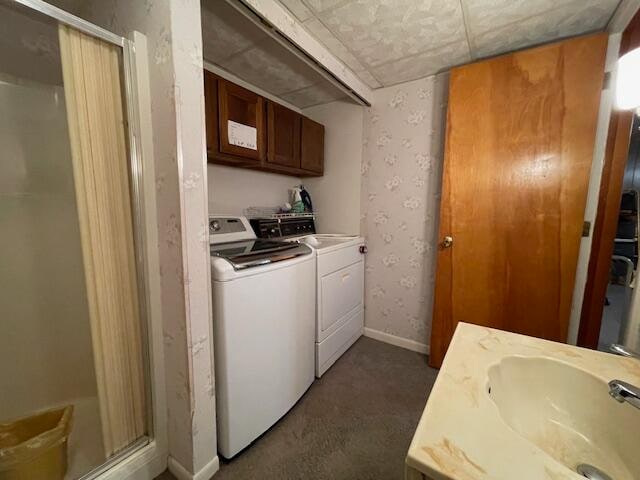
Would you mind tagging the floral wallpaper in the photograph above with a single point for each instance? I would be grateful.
(401, 176)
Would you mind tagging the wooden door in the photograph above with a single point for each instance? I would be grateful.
(518, 154)
(312, 152)
(283, 140)
(242, 109)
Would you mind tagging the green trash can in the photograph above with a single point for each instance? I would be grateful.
(35, 447)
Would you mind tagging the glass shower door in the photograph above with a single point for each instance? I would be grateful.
(72, 362)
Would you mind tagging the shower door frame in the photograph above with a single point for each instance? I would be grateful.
(149, 451)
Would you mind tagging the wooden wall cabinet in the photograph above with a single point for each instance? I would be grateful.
(283, 138)
(225, 102)
(286, 142)
(312, 148)
(239, 105)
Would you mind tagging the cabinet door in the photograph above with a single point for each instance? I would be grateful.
(283, 145)
(240, 111)
(312, 151)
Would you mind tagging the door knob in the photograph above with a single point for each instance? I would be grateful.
(447, 241)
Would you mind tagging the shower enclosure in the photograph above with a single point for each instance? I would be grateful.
(72, 287)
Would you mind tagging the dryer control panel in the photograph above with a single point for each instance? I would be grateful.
(282, 227)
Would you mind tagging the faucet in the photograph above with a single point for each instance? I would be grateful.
(623, 391)
(624, 351)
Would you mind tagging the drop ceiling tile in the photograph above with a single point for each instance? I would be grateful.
(379, 31)
(313, 95)
(422, 65)
(299, 9)
(324, 5)
(271, 67)
(335, 46)
(369, 79)
(226, 32)
(486, 15)
(562, 22)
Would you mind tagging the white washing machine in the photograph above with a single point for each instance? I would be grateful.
(263, 295)
(340, 261)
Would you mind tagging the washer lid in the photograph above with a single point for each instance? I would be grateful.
(253, 253)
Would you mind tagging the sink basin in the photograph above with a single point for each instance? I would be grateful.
(567, 413)
(511, 407)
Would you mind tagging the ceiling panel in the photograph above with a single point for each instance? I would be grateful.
(314, 95)
(369, 79)
(240, 47)
(230, 32)
(379, 31)
(272, 68)
(324, 5)
(560, 22)
(299, 9)
(484, 16)
(390, 41)
(335, 46)
(423, 64)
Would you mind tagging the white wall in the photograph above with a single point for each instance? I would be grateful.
(401, 180)
(231, 190)
(46, 354)
(336, 195)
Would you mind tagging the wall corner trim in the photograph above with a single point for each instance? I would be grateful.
(397, 341)
(205, 472)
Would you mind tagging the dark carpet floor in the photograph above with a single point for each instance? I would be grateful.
(355, 423)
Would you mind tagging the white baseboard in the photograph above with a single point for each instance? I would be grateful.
(397, 341)
(182, 473)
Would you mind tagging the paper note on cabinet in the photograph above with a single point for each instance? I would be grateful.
(242, 135)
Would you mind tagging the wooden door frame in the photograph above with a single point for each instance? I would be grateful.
(615, 161)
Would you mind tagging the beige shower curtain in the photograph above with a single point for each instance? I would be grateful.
(91, 72)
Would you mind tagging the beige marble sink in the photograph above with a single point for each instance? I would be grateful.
(567, 413)
(507, 407)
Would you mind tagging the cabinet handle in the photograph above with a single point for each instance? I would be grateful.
(447, 242)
